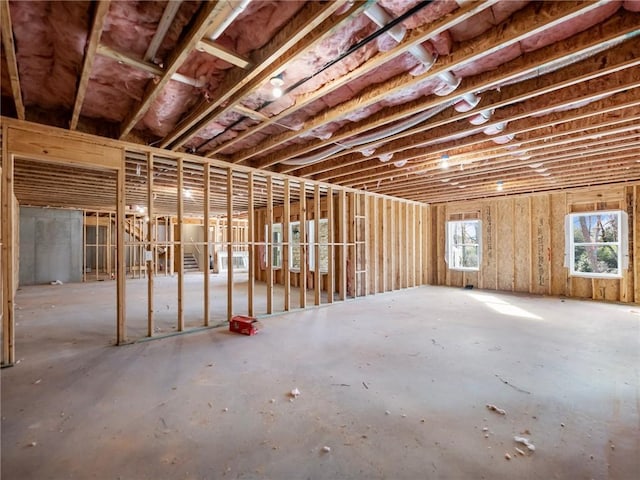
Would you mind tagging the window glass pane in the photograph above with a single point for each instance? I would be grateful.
(463, 244)
(324, 248)
(294, 239)
(470, 232)
(456, 256)
(277, 247)
(596, 228)
(596, 259)
(470, 256)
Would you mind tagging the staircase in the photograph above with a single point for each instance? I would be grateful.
(190, 263)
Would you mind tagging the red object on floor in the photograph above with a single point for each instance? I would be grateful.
(244, 325)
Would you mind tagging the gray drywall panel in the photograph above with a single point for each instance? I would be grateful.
(50, 245)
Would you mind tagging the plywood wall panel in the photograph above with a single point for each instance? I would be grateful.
(505, 243)
(541, 244)
(489, 251)
(522, 244)
(558, 272)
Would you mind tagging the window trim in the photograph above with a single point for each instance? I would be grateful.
(449, 245)
(622, 244)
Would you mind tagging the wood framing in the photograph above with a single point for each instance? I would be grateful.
(251, 245)
(269, 245)
(303, 244)
(101, 9)
(207, 244)
(180, 241)
(286, 241)
(229, 243)
(150, 246)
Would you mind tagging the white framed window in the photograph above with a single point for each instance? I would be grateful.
(323, 240)
(596, 243)
(464, 249)
(294, 246)
(276, 242)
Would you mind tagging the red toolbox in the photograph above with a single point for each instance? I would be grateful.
(244, 325)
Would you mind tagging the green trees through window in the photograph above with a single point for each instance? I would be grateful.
(595, 243)
(463, 245)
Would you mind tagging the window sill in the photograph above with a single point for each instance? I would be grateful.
(602, 276)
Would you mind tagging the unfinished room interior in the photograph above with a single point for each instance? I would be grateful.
(426, 210)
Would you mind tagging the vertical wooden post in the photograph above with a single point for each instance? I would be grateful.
(364, 246)
(121, 273)
(375, 239)
(634, 246)
(109, 246)
(84, 245)
(286, 218)
(150, 244)
(8, 254)
(270, 246)
(171, 238)
(393, 245)
(352, 280)
(229, 243)
(180, 246)
(251, 244)
(207, 240)
(342, 240)
(330, 241)
(97, 245)
(155, 250)
(303, 245)
(317, 275)
(385, 241)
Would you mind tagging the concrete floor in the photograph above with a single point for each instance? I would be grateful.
(396, 385)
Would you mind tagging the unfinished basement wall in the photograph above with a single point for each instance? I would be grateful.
(523, 240)
(51, 245)
(378, 245)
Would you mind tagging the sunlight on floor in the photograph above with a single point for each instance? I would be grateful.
(504, 307)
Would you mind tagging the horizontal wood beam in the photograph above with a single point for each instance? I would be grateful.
(101, 10)
(209, 16)
(524, 24)
(217, 50)
(308, 27)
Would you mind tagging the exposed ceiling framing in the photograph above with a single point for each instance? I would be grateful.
(367, 104)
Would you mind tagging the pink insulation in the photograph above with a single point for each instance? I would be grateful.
(569, 28)
(50, 39)
(252, 30)
(485, 20)
(428, 14)
(632, 5)
(114, 89)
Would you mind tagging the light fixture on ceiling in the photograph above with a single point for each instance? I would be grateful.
(444, 161)
(500, 185)
(277, 82)
(186, 193)
(138, 169)
(400, 163)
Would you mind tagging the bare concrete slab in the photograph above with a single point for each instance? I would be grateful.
(396, 385)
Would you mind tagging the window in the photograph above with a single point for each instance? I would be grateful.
(276, 242)
(323, 240)
(463, 245)
(596, 243)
